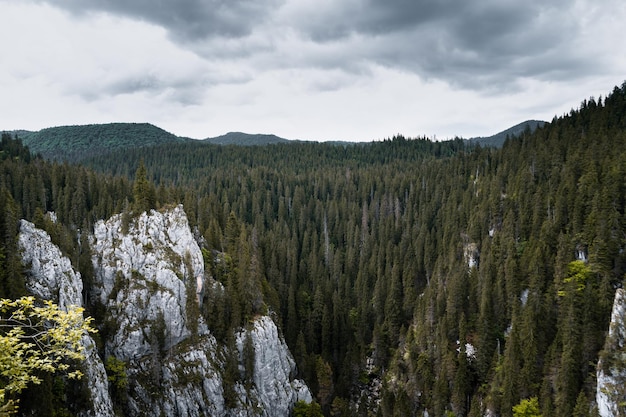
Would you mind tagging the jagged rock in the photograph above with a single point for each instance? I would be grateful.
(144, 275)
(140, 277)
(471, 254)
(188, 380)
(273, 369)
(97, 382)
(143, 271)
(611, 371)
(50, 276)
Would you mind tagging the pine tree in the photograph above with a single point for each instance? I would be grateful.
(144, 192)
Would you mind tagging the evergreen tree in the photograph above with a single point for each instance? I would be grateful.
(144, 192)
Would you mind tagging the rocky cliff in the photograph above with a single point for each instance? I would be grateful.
(611, 373)
(141, 273)
(52, 277)
(148, 278)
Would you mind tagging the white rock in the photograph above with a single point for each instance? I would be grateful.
(51, 275)
(150, 265)
(471, 254)
(274, 367)
(610, 386)
(140, 277)
(190, 383)
(97, 382)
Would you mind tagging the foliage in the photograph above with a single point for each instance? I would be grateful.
(143, 191)
(248, 359)
(577, 274)
(116, 373)
(360, 253)
(528, 407)
(75, 142)
(37, 338)
(303, 409)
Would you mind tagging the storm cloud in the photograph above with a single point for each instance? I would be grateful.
(487, 44)
(186, 20)
(252, 55)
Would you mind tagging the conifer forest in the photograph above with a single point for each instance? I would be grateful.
(406, 275)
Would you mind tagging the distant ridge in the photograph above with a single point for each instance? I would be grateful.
(73, 143)
(498, 139)
(79, 142)
(246, 139)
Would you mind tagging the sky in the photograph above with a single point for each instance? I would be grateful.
(356, 70)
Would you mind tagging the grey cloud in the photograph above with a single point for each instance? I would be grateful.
(184, 92)
(134, 84)
(482, 44)
(487, 44)
(185, 20)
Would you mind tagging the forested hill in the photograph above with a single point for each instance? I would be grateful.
(192, 163)
(407, 275)
(76, 143)
(73, 143)
(498, 139)
(245, 139)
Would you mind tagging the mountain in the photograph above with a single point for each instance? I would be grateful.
(245, 139)
(73, 143)
(406, 277)
(81, 142)
(76, 143)
(498, 139)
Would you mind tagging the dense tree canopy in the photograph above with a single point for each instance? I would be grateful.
(459, 278)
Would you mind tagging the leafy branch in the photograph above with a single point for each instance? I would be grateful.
(37, 338)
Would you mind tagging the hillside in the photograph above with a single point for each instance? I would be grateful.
(498, 139)
(73, 143)
(245, 139)
(408, 277)
(82, 142)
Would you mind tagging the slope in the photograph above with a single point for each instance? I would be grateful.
(498, 139)
(74, 143)
(245, 139)
(407, 276)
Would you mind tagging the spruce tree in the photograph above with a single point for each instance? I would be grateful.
(144, 192)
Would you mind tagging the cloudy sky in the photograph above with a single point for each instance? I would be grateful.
(306, 69)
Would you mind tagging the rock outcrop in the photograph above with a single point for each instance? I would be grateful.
(148, 280)
(611, 373)
(141, 276)
(273, 369)
(52, 277)
(50, 274)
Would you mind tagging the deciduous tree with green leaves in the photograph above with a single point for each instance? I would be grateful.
(528, 407)
(36, 338)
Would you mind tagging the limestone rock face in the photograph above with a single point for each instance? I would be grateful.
(148, 273)
(611, 372)
(141, 276)
(189, 380)
(52, 277)
(184, 382)
(273, 369)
